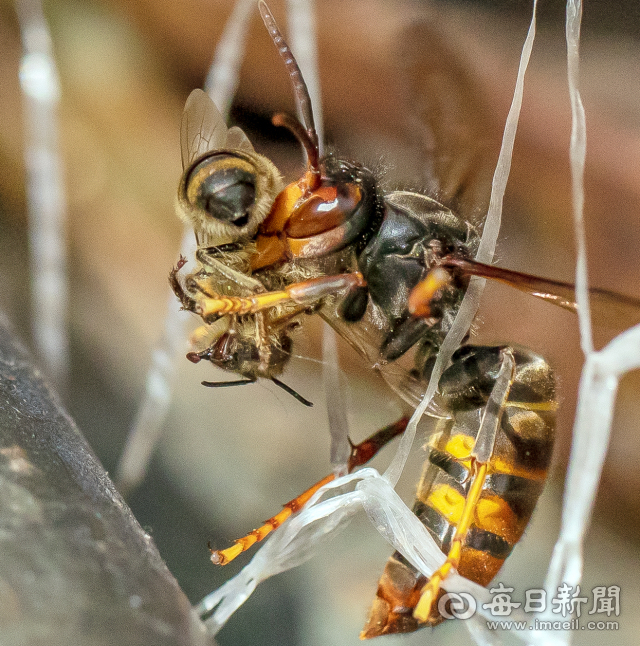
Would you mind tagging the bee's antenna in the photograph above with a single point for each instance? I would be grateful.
(292, 392)
(222, 384)
(308, 137)
(243, 382)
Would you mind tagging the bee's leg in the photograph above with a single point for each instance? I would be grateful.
(360, 454)
(204, 254)
(403, 336)
(188, 302)
(211, 259)
(480, 456)
(262, 342)
(306, 292)
(288, 320)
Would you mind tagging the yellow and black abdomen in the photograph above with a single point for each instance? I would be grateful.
(515, 477)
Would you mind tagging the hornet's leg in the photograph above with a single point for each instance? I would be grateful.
(480, 457)
(430, 591)
(360, 454)
(426, 290)
(306, 292)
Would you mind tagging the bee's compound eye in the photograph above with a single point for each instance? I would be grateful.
(224, 187)
(228, 193)
(228, 196)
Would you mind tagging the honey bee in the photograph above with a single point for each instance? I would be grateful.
(332, 242)
(387, 270)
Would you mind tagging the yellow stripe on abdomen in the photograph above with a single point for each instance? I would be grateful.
(491, 514)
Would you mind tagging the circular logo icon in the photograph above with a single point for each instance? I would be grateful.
(454, 605)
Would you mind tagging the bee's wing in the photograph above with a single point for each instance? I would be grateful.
(202, 128)
(237, 140)
(456, 136)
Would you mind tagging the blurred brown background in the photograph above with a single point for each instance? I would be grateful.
(229, 458)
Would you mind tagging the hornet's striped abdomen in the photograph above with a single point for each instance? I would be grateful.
(515, 477)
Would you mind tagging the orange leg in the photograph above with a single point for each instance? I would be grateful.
(480, 456)
(360, 454)
(430, 591)
(424, 292)
(306, 292)
(222, 557)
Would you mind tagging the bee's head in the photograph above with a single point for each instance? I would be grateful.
(226, 194)
(238, 353)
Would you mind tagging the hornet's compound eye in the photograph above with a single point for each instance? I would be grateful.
(228, 193)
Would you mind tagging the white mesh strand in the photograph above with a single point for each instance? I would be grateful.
(46, 195)
(221, 85)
